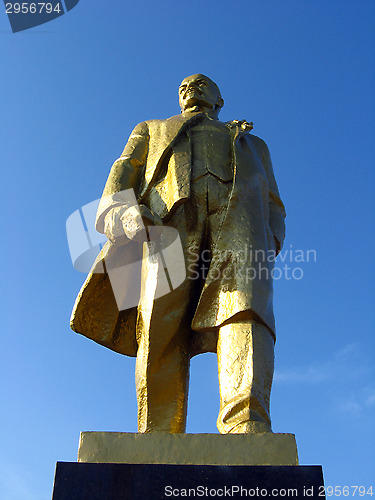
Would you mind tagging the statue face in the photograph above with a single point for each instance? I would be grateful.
(199, 90)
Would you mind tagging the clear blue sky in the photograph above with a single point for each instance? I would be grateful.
(72, 90)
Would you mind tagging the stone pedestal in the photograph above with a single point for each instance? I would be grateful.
(85, 481)
(124, 466)
(188, 449)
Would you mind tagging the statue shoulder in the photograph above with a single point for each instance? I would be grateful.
(259, 143)
(141, 129)
(161, 121)
(153, 122)
(154, 125)
(144, 128)
(149, 128)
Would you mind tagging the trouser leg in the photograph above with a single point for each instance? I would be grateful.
(162, 366)
(245, 354)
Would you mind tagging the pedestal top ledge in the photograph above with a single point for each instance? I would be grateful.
(189, 449)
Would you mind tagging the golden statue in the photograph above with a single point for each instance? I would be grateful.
(212, 182)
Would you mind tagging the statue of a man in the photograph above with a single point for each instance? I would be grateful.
(213, 182)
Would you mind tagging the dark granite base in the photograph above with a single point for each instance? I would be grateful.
(88, 481)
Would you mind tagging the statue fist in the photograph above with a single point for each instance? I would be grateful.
(123, 223)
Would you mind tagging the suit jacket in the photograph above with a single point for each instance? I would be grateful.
(156, 163)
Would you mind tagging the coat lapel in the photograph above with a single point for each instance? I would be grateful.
(163, 135)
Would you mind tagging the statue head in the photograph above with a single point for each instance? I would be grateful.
(199, 90)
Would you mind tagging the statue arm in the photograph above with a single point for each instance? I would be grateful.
(276, 207)
(124, 180)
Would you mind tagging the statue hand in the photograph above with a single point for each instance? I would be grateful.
(122, 223)
(113, 226)
(136, 219)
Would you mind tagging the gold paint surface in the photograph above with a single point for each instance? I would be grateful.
(213, 182)
(186, 449)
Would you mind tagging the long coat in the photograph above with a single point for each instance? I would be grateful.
(156, 163)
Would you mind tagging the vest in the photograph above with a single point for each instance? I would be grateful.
(211, 151)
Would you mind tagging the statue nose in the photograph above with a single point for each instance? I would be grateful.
(191, 86)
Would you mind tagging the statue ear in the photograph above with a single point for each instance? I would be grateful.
(220, 102)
